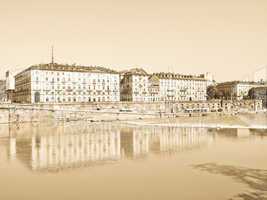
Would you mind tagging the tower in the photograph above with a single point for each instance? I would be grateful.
(52, 55)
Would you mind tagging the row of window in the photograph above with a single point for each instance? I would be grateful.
(47, 87)
(76, 74)
(81, 93)
(79, 99)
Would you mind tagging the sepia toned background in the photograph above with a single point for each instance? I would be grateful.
(227, 38)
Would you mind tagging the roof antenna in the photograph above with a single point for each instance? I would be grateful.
(52, 56)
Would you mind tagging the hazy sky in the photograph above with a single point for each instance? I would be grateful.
(225, 37)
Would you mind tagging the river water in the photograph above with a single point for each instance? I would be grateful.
(84, 161)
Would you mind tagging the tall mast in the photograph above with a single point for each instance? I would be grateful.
(52, 56)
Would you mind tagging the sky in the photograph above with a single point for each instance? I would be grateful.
(226, 38)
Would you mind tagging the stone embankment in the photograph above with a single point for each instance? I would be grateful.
(119, 111)
(10, 113)
(238, 121)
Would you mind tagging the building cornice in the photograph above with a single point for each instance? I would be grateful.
(70, 68)
(173, 76)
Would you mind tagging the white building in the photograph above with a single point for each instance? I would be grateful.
(154, 88)
(210, 79)
(10, 81)
(10, 86)
(66, 83)
(7, 88)
(138, 86)
(176, 87)
(134, 86)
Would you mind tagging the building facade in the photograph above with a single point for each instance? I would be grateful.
(177, 87)
(154, 88)
(134, 86)
(236, 89)
(55, 83)
(3, 95)
(138, 86)
(7, 88)
(10, 86)
(210, 79)
(259, 93)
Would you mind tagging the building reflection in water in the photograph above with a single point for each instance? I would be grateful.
(12, 148)
(71, 146)
(140, 141)
(233, 133)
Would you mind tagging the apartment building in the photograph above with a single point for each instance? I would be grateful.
(154, 88)
(134, 85)
(138, 86)
(10, 86)
(3, 95)
(54, 83)
(259, 93)
(57, 83)
(177, 87)
(236, 89)
(7, 88)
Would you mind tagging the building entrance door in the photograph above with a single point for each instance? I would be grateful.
(36, 97)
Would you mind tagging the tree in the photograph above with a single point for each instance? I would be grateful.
(220, 94)
(251, 93)
(211, 92)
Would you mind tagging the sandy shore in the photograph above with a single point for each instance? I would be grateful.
(257, 121)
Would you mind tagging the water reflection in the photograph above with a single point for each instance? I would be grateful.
(74, 150)
(232, 133)
(43, 147)
(53, 148)
(140, 141)
(4, 143)
(69, 147)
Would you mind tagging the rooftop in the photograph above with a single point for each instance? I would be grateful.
(164, 75)
(70, 68)
(135, 71)
(263, 87)
(240, 82)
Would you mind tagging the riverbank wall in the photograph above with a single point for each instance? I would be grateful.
(10, 113)
(119, 111)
